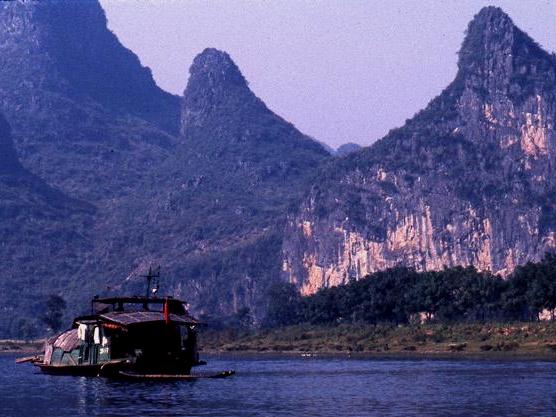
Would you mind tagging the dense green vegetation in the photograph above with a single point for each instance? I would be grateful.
(403, 296)
(465, 312)
(54, 310)
(533, 340)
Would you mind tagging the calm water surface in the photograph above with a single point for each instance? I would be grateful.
(295, 387)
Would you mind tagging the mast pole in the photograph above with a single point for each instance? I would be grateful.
(149, 277)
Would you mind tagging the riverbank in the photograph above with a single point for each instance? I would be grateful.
(492, 340)
(514, 340)
(21, 346)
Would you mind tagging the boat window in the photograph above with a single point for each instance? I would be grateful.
(104, 354)
(57, 356)
(85, 353)
(76, 355)
(67, 359)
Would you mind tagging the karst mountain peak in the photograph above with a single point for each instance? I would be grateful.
(216, 87)
(492, 19)
(495, 48)
(459, 184)
(214, 67)
(63, 51)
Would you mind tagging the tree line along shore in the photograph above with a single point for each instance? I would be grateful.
(404, 296)
(517, 339)
(396, 311)
(454, 311)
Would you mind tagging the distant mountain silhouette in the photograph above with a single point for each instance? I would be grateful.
(347, 148)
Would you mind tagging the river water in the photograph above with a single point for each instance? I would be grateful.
(295, 387)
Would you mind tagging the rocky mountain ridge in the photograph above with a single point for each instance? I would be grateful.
(199, 184)
(86, 116)
(467, 181)
(219, 203)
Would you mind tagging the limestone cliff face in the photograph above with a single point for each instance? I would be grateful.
(470, 180)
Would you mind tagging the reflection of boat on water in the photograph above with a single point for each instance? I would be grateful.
(128, 337)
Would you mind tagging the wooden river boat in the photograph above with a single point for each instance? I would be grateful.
(133, 338)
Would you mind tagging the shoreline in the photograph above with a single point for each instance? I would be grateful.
(379, 356)
(21, 346)
(426, 356)
(474, 341)
(513, 341)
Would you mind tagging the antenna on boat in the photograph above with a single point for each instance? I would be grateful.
(152, 275)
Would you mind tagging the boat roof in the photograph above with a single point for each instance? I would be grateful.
(136, 300)
(126, 318)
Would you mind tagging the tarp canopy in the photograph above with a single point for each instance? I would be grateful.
(67, 341)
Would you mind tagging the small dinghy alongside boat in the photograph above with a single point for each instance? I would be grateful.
(133, 376)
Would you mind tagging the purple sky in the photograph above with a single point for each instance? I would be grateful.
(340, 70)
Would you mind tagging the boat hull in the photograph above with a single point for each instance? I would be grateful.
(73, 370)
(122, 370)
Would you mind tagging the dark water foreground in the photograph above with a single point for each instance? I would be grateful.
(296, 387)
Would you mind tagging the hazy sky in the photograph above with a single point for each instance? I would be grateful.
(340, 70)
